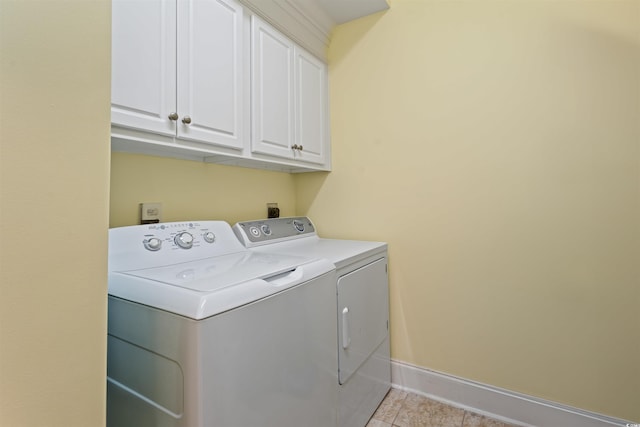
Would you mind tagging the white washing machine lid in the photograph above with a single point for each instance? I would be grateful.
(213, 274)
(206, 287)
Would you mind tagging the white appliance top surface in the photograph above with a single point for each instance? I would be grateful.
(212, 274)
(340, 252)
(199, 269)
(298, 236)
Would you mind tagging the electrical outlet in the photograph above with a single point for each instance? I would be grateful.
(150, 213)
(272, 210)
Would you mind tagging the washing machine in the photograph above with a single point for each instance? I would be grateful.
(361, 306)
(205, 333)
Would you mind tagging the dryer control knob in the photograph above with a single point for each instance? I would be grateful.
(184, 240)
(255, 231)
(152, 244)
(209, 237)
(298, 225)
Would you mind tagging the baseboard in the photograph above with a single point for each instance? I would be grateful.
(501, 404)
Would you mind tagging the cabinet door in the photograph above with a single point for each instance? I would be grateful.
(272, 90)
(210, 71)
(311, 120)
(143, 77)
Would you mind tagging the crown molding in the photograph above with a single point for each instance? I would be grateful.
(309, 22)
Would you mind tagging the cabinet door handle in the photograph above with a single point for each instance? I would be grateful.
(186, 120)
(300, 147)
(294, 147)
(173, 116)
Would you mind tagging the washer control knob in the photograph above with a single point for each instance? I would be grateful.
(209, 237)
(152, 244)
(298, 225)
(266, 229)
(184, 240)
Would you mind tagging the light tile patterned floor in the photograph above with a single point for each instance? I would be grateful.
(402, 409)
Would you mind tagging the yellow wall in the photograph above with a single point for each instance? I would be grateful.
(54, 178)
(496, 146)
(194, 190)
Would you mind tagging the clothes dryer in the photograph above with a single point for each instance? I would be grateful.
(361, 306)
(205, 333)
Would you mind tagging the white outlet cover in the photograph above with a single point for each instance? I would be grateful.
(150, 211)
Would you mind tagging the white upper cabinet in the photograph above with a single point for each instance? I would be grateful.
(210, 69)
(311, 108)
(210, 80)
(289, 98)
(177, 69)
(143, 75)
(272, 90)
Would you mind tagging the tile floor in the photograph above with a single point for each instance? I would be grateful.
(402, 409)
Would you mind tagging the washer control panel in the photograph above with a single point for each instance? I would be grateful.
(177, 236)
(253, 233)
(157, 245)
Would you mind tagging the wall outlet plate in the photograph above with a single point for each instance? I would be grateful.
(272, 210)
(150, 213)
